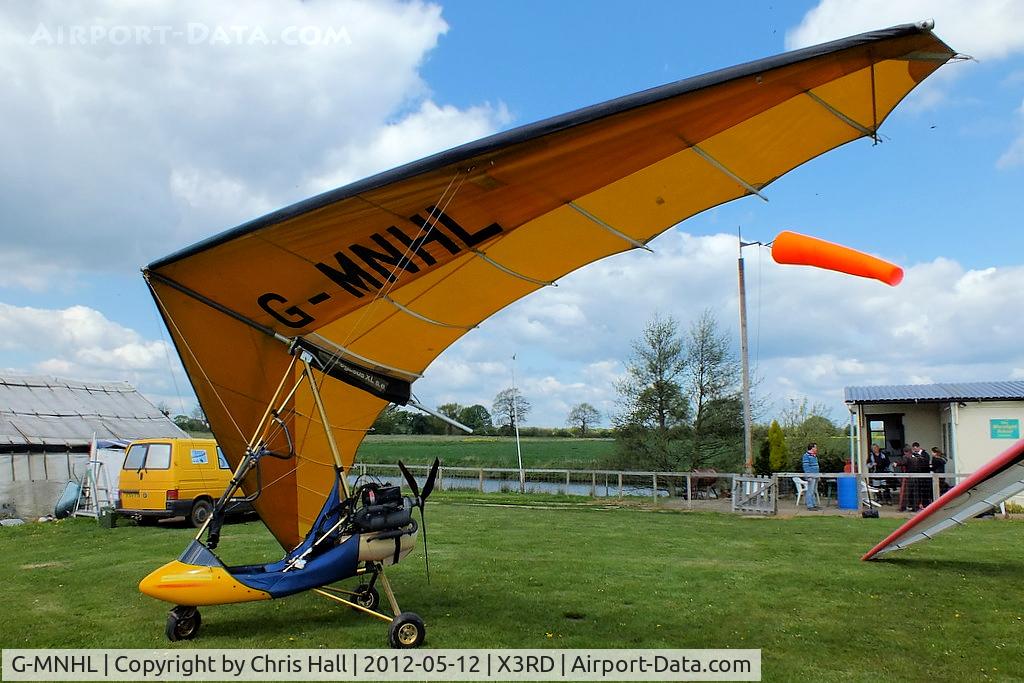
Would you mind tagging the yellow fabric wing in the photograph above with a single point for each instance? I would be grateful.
(390, 271)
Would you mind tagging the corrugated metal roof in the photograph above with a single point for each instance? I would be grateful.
(47, 411)
(946, 391)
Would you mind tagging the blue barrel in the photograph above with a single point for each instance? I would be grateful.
(846, 489)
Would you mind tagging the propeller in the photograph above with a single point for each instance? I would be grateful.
(421, 500)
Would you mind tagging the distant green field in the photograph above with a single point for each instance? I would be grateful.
(486, 451)
(584, 575)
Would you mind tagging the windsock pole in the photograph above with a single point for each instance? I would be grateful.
(748, 448)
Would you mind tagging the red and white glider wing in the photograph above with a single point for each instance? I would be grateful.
(984, 490)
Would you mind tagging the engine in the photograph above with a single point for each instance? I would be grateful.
(383, 519)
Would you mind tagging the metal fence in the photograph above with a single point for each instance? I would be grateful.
(692, 490)
(592, 483)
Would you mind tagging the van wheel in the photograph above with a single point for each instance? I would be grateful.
(201, 511)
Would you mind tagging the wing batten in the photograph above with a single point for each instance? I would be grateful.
(509, 271)
(618, 233)
(749, 187)
(420, 316)
(863, 130)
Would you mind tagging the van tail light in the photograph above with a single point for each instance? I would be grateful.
(172, 494)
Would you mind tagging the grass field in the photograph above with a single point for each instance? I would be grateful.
(578, 575)
(486, 451)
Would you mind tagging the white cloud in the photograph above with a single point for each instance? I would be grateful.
(81, 343)
(429, 129)
(984, 29)
(123, 147)
(20, 270)
(1014, 154)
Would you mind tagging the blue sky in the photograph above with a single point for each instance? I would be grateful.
(121, 153)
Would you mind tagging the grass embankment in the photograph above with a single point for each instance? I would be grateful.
(487, 451)
(577, 576)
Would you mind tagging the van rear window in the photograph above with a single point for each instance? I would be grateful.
(159, 456)
(136, 456)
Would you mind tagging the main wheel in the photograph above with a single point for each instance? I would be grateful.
(182, 623)
(366, 596)
(201, 511)
(406, 630)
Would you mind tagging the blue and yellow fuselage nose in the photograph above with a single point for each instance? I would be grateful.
(186, 584)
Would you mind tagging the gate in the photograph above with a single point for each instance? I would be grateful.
(759, 495)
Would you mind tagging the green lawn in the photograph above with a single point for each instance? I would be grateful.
(486, 451)
(578, 575)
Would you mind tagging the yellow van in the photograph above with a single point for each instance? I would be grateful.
(164, 478)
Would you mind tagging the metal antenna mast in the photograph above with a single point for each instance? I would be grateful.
(748, 448)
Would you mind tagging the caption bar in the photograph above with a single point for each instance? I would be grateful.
(389, 665)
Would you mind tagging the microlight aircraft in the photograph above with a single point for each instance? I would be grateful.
(296, 329)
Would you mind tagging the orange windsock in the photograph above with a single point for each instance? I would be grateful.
(792, 248)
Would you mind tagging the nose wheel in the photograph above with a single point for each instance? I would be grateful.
(182, 623)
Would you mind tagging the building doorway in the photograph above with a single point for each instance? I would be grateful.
(887, 431)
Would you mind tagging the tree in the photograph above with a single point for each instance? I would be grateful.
(163, 408)
(712, 376)
(762, 463)
(583, 415)
(200, 416)
(191, 425)
(797, 412)
(804, 423)
(450, 410)
(777, 453)
(476, 418)
(721, 437)
(392, 420)
(510, 408)
(653, 419)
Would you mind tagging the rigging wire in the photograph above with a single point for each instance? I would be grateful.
(199, 365)
(170, 366)
(390, 282)
(426, 228)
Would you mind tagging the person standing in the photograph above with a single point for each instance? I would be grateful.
(903, 463)
(938, 465)
(923, 487)
(810, 465)
(878, 461)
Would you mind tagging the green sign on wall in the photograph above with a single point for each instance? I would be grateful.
(1004, 429)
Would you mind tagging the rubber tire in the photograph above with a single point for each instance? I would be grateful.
(406, 631)
(201, 511)
(367, 597)
(182, 623)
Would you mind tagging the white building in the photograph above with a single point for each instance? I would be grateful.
(46, 426)
(971, 422)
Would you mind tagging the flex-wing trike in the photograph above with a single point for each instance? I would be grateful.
(356, 535)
